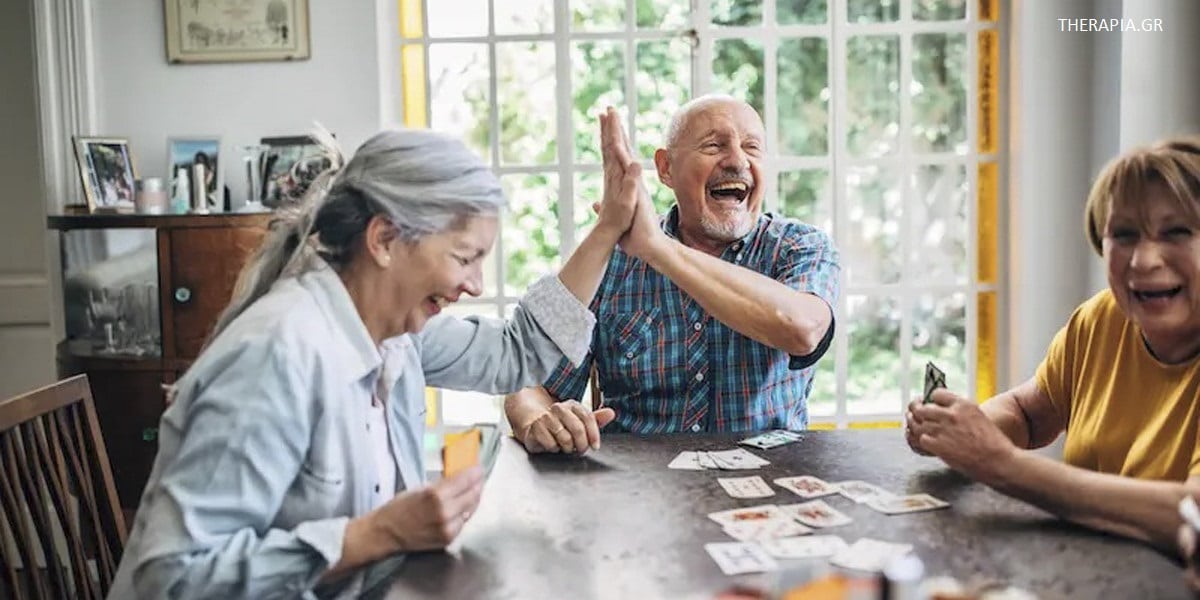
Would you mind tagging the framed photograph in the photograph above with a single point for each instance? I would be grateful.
(289, 165)
(107, 172)
(184, 152)
(203, 31)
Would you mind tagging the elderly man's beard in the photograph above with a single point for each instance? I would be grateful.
(727, 230)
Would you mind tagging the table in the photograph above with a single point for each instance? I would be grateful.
(618, 524)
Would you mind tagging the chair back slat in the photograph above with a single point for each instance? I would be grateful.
(58, 503)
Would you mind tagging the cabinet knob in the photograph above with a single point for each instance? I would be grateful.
(182, 295)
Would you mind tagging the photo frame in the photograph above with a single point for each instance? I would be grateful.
(107, 172)
(186, 151)
(289, 165)
(207, 31)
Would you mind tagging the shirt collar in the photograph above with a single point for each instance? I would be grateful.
(359, 352)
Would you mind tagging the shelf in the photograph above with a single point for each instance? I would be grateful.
(81, 354)
(66, 222)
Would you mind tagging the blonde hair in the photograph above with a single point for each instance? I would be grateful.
(1173, 163)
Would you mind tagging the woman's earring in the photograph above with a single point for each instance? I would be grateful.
(385, 261)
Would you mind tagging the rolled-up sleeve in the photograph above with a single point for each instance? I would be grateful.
(242, 438)
(498, 357)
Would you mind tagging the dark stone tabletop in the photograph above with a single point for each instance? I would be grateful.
(618, 524)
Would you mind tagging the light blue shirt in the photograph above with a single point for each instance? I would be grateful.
(263, 457)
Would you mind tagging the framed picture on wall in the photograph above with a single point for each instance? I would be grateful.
(187, 151)
(107, 173)
(204, 31)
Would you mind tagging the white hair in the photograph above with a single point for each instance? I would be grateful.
(681, 116)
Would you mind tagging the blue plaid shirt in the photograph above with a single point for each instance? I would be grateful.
(666, 365)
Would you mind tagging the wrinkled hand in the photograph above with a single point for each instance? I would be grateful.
(955, 430)
(429, 518)
(566, 426)
(622, 177)
(911, 425)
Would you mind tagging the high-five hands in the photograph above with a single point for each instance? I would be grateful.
(623, 175)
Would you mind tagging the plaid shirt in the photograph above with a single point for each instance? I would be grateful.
(666, 365)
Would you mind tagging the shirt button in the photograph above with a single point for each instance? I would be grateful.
(737, 245)
(696, 326)
(377, 488)
(699, 376)
(649, 319)
(628, 355)
(696, 427)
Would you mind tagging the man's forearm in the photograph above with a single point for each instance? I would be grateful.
(751, 303)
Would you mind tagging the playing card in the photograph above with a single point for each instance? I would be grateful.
(809, 546)
(706, 461)
(736, 558)
(906, 504)
(688, 461)
(934, 379)
(461, 451)
(771, 439)
(816, 514)
(750, 514)
(746, 487)
(737, 459)
(869, 555)
(806, 486)
(769, 529)
(861, 491)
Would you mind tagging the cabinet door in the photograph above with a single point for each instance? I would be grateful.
(129, 405)
(204, 266)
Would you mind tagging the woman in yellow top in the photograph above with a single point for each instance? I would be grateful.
(1122, 378)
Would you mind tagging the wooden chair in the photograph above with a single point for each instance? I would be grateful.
(61, 527)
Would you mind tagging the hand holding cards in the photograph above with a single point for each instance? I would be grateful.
(461, 451)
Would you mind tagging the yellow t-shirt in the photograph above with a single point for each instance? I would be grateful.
(1127, 413)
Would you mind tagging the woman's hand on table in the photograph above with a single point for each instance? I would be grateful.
(566, 426)
(954, 429)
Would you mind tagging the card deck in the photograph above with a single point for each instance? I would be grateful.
(751, 531)
(750, 514)
(809, 546)
(736, 558)
(771, 439)
(934, 379)
(869, 555)
(806, 486)
(906, 504)
(687, 461)
(746, 487)
(461, 451)
(816, 514)
(737, 459)
(861, 491)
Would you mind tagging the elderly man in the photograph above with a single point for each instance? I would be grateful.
(710, 318)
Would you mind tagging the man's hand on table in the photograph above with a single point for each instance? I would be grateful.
(566, 426)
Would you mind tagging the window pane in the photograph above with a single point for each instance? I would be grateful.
(939, 335)
(873, 99)
(457, 19)
(939, 10)
(588, 190)
(807, 195)
(470, 408)
(939, 92)
(738, 70)
(873, 380)
(808, 12)
(597, 81)
(521, 16)
(871, 250)
(525, 84)
(873, 11)
(939, 249)
(822, 400)
(663, 85)
(803, 92)
(662, 14)
(531, 240)
(736, 12)
(597, 15)
(458, 82)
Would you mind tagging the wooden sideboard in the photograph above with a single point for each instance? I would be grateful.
(195, 263)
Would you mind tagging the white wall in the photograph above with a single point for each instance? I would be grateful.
(142, 97)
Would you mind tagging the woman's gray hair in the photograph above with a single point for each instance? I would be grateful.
(422, 181)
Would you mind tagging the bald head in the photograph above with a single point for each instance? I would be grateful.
(682, 119)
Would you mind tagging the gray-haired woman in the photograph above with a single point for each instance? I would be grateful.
(292, 452)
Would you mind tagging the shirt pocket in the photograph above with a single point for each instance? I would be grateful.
(628, 341)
